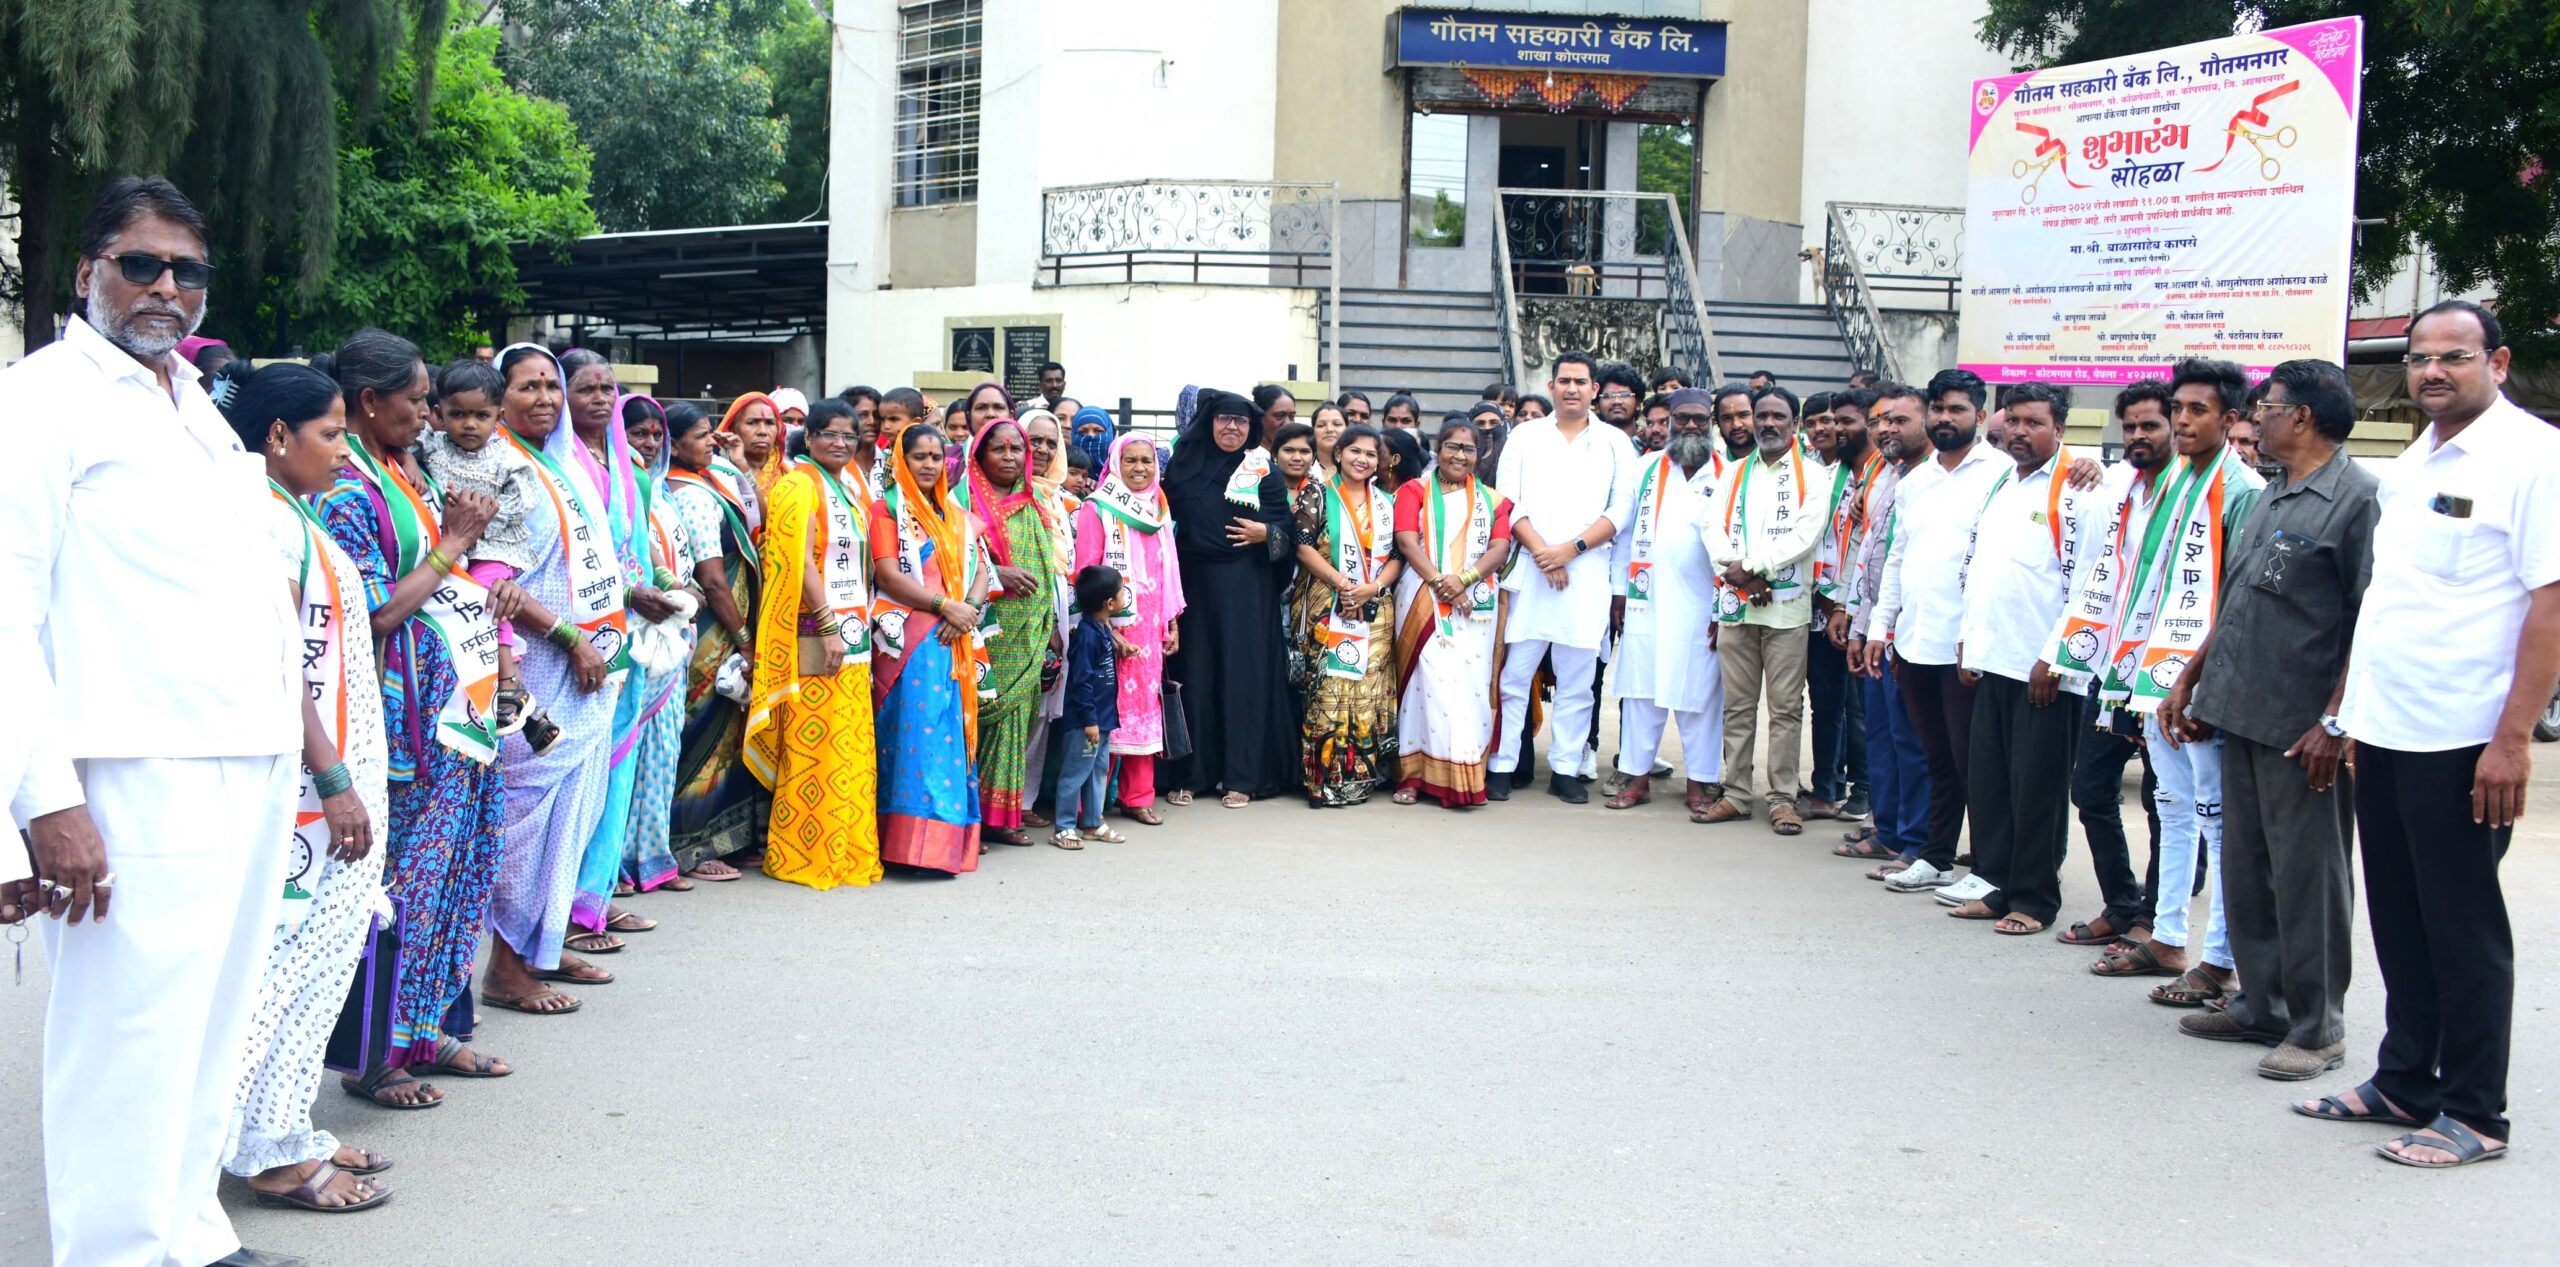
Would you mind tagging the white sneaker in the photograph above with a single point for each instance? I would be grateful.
(1919, 877)
(1972, 888)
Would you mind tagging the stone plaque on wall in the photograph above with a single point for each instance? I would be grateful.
(1008, 349)
(1026, 348)
(973, 348)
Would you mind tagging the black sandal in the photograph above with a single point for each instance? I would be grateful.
(2464, 1143)
(482, 1066)
(371, 1086)
(2334, 1109)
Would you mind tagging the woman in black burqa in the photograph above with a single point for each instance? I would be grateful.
(1232, 533)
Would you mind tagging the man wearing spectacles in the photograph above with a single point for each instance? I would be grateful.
(1619, 400)
(2269, 679)
(2456, 648)
(147, 615)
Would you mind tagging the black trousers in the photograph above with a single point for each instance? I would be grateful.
(2018, 785)
(1839, 740)
(2440, 934)
(1941, 708)
(2097, 792)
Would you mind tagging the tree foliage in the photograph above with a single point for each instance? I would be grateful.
(429, 222)
(238, 100)
(670, 97)
(799, 51)
(2460, 134)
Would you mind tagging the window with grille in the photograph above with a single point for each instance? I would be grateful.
(935, 158)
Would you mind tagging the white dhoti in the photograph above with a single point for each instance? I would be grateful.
(1640, 731)
(150, 1007)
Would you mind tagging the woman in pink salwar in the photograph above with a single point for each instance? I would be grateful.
(1126, 525)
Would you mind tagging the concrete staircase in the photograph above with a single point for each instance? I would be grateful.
(1797, 342)
(1444, 346)
(1441, 345)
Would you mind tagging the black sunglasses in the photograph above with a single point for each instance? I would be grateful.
(142, 270)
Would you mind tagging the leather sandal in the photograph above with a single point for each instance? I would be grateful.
(306, 1195)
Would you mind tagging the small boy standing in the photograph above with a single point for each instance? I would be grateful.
(1092, 711)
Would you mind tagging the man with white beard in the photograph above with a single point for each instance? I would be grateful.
(141, 601)
(1667, 670)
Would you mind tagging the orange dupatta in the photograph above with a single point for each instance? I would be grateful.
(945, 524)
(775, 464)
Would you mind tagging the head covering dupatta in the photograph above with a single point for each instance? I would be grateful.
(776, 464)
(945, 523)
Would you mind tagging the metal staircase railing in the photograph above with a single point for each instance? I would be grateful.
(1608, 272)
(1852, 305)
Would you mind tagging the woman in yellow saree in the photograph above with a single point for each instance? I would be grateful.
(809, 708)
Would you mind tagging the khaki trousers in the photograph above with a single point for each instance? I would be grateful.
(1760, 661)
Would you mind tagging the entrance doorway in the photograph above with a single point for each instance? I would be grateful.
(1554, 242)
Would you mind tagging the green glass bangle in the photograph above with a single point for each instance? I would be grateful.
(563, 635)
(333, 780)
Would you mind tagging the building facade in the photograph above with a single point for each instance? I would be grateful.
(1361, 193)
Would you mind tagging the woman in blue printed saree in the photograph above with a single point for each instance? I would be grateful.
(648, 857)
(446, 806)
(924, 668)
(719, 806)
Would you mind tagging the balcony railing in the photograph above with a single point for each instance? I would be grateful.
(1912, 257)
(1194, 232)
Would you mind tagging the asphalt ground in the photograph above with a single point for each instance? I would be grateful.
(1529, 1033)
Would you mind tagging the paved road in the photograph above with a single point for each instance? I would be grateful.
(1530, 1034)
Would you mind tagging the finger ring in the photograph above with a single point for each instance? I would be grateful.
(107, 881)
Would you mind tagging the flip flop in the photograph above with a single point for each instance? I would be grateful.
(565, 977)
(306, 1195)
(519, 1002)
(1866, 850)
(2008, 928)
(374, 1163)
(626, 922)
(1065, 840)
(585, 943)
(717, 877)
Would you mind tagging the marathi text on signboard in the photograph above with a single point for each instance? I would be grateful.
(1630, 46)
(1026, 349)
(973, 348)
(2196, 201)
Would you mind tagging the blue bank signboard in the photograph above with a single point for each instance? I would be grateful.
(1546, 41)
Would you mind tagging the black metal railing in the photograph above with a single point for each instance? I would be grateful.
(1603, 271)
(1911, 257)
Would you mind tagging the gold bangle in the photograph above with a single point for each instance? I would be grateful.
(443, 563)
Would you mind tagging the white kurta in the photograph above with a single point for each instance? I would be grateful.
(1663, 654)
(1560, 486)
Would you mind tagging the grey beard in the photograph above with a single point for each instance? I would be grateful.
(119, 328)
(1691, 449)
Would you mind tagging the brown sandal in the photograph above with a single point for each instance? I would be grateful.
(592, 943)
(1629, 798)
(1869, 848)
(2016, 925)
(2101, 931)
(1722, 811)
(531, 1004)
(2137, 960)
(626, 922)
(725, 874)
(1975, 909)
(2194, 988)
(306, 1195)
(1784, 820)
(1144, 814)
(480, 1067)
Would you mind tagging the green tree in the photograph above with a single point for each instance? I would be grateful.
(799, 51)
(238, 100)
(2460, 134)
(429, 222)
(669, 96)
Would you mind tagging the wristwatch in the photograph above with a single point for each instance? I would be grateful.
(1581, 546)
(2329, 723)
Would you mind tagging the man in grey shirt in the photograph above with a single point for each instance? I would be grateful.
(2269, 679)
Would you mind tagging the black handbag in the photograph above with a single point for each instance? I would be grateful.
(1177, 725)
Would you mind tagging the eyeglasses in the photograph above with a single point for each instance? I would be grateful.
(142, 270)
(2452, 360)
(837, 437)
(1692, 417)
(2264, 406)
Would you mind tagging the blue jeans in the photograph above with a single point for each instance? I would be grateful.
(1897, 772)
(1084, 780)
(1839, 741)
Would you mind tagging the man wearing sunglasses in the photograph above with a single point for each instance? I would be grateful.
(148, 616)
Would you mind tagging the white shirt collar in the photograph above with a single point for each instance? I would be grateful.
(2485, 431)
(115, 362)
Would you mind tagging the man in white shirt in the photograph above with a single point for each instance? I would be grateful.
(1769, 520)
(2026, 720)
(2456, 649)
(1920, 609)
(1571, 483)
(138, 596)
(1667, 668)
